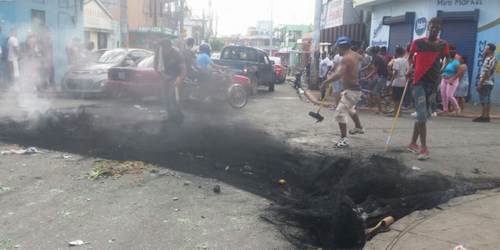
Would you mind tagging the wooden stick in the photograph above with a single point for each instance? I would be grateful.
(394, 121)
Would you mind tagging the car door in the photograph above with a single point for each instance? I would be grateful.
(266, 69)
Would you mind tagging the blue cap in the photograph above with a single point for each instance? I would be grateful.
(343, 40)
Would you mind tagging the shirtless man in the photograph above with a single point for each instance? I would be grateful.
(351, 94)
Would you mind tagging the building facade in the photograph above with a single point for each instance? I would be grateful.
(468, 24)
(147, 22)
(63, 18)
(99, 26)
(339, 18)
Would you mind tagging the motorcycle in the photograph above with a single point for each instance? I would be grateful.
(222, 85)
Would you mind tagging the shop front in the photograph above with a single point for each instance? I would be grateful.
(467, 24)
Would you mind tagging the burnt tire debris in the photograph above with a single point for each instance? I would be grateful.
(323, 201)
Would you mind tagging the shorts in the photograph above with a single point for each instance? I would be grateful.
(347, 105)
(485, 94)
(379, 85)
(421, 104)
(397, 93)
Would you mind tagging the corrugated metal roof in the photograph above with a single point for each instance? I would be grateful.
(353, 31)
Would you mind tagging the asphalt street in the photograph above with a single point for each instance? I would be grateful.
(50, 201)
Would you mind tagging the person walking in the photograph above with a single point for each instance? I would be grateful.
(449, 82)
(13, 52)
(336, 85)
(324, 66)
(170, 63)
(427, 52)
(348, 72)
(486, 82)
(379, 70)
(463, 82)
(400, 68)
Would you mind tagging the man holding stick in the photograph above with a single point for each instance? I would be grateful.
(425, 55)
(351, 94)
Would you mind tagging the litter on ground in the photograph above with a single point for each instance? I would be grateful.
(115, 169)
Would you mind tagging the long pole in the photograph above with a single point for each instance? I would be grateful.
(271, 34)
(389, 138)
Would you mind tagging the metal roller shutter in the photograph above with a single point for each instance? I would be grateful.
(463, 35)
(400, 34)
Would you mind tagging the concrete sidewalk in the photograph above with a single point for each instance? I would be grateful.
(471, 111)
(471, 221)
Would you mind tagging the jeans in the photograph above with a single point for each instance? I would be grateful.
(171, 103)
(421, 105)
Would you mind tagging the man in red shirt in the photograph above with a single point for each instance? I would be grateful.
(425, 56)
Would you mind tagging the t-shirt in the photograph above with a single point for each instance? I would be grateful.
(12, 46)
(203, 61)
(337, 59)
(402, 67)
(189, 58)
(172, 61)
(380, 65)
(323, 67)
(451, 68)
(427, 60)
(489, 65)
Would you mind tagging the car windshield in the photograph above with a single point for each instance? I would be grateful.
(146, 63)
(276, 60)
(112, 57)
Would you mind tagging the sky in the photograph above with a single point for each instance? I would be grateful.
(235, 16)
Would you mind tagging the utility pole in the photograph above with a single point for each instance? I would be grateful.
(155, 12)
(124, 23)
(271, 38)
(181, 18)
(203, 26)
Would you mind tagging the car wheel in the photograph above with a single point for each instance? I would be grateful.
(237, 96)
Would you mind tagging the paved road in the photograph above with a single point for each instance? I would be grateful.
(49, 197)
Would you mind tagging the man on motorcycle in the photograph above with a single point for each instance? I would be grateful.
(170, 63)
(207, 69)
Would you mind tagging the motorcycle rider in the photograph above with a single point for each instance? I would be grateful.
(170, 63)
(207, 68)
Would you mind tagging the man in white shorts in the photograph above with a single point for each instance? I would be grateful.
(351, 94)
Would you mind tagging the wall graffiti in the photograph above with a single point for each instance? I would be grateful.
(479, 60)
(459, 2)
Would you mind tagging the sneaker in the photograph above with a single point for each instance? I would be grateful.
(342, 143)
(414, 148)
(357, 131)
(423, 155)
(414, 114)
(434, 114)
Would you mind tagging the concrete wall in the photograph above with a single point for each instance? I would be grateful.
(64, 22)
(139, 14)
(489, 25)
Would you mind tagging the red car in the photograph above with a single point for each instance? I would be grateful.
(143, 81)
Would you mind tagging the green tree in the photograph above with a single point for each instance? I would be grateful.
(217, 44)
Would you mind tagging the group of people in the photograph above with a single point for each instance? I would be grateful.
(177, 63)
(29, 62)
(420, 68)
